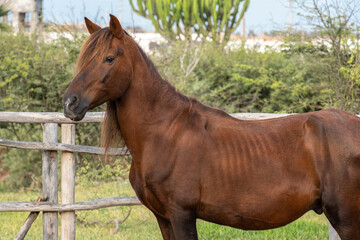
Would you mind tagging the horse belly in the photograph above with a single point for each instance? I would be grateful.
(258, 204)
(255, 216)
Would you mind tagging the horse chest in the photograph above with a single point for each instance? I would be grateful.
(147, 192)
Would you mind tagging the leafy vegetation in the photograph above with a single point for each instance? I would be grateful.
(33, 77)
(337, 23)
(3, 12)
(246, 80)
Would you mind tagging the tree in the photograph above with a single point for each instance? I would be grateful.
(177, 19)
(3, 12)
(337, 22)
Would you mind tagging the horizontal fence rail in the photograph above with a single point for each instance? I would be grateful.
(87, 205)
(258, 116)
(97, 117)
(47, 117)
(93, 117)
(62, 147)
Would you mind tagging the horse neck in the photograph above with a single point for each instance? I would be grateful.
(148, 107)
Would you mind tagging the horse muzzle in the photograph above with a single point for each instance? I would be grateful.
(74, 107)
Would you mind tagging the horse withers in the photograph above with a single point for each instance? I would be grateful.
(192, 161)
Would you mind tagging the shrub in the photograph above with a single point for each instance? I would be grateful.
(33, 77)
(245, 80)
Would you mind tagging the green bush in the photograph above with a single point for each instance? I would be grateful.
(245, 80)
(33, 77)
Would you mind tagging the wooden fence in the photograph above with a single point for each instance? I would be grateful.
(48, 204)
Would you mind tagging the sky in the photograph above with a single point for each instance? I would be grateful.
(262, 15)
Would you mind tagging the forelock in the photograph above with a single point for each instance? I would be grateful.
(97, 44)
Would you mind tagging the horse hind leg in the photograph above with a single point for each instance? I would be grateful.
(348, 226)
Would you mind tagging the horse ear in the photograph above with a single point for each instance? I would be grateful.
(115, 27)
(92, 27)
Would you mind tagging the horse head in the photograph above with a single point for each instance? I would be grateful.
(103, 71)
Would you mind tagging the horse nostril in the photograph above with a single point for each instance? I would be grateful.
(71, 101)
(74, 100)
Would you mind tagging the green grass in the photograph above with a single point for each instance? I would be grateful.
(142, 225)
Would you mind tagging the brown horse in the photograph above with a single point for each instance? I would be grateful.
(192, 161)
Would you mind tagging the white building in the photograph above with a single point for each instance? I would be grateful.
(24, 14)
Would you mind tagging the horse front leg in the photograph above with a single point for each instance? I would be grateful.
(184, 226)
(165, 228)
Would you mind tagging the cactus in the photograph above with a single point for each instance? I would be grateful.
(179, 18)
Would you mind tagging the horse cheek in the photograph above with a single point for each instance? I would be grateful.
(121, 85)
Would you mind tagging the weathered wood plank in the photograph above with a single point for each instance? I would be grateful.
(29, 221)
(79, 206)
(68, 219)
(258, 116)
(55, 117)
(47, 117)
(50, 182)
(61, 147)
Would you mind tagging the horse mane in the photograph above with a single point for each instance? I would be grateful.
(110, 130)
(148, 61)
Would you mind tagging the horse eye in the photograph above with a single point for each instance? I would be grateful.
(109, 59)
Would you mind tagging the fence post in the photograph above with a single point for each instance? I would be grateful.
(332, 233)
(68, 219)
(50, 182)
